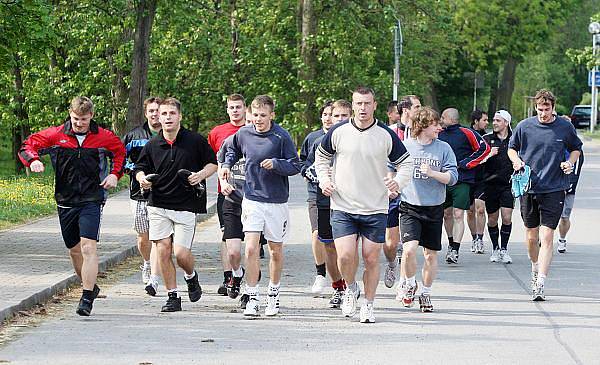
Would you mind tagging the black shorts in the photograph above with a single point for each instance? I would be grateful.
(324, 225)
(544, 209)
(423, 224)
(78, 222)
(477, 191)
(232, 220)
(497, 196)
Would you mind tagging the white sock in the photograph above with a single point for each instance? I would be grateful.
(274, 288)
(426, 290)
(534, 266)
(353, 287)
(154, 278)
(412, 281)
(393, 263)
(146, 264)
(402, 280)
(173, 291)
(238, 273)
(541, 279)
(188, 277)
(252, 290)
(562, 239)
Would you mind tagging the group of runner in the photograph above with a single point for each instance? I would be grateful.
(418, 174)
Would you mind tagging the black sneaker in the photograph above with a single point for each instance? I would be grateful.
(244, 300)
(233, 287)
(173, 303)
(96, 291)
(222, 288)
(194, 289)
(151, 288)
(85, 307)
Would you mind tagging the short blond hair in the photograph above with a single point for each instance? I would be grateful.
(262, 101)
(544, 96)
(81, 105)
(171, 101)
(342, 103)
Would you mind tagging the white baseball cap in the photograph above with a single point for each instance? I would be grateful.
(504, 114)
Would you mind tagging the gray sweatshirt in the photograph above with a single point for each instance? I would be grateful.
(424, 190)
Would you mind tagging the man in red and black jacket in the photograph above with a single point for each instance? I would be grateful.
(79, 150)
(470, 150)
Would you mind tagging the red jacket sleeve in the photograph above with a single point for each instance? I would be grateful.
(480, 149)
(114, 145)
(30, 148)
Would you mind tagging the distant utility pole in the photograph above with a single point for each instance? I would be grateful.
(594, 29)
(398, 41)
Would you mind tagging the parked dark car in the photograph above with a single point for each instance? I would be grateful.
(581, 115)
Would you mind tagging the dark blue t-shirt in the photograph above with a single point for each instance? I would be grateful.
(542, 146)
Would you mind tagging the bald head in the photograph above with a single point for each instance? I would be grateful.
(450, 117)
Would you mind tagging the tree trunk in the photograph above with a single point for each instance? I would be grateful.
(430, 96)
(308, 69)
(139, 71)
(20, 129)
(235, 50)
(507, 84)
(493, 103)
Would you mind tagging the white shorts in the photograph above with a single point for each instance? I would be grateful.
(140, 215)
(270, 218)
(166, 222)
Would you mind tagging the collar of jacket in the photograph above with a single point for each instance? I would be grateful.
(162, 141)
(69, 128)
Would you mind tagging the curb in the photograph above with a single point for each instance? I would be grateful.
(46, 294)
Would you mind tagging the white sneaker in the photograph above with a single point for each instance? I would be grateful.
(474, 245)
(400, 291)
(505, 257)
(145, 273)
(252, 307)
(495, 256)
(562, 246)
(389, 278)
(349, 302)
(480, 246)
(538, 293)
(533, 281)
(272, 307)
(319, 285)
(366, 313)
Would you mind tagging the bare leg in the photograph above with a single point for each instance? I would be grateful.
(479, 216)
(276, 261)
(234, 251)
(89, 269)
(167, 268)
(252, 266)
(545, 252)
(331, 262)
(430, 265)
(77, 259)
(370, 252)
(347, 252)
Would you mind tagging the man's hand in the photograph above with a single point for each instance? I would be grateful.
(494, 151)
(567, 167)
(37, 166)
(518, 164)
(224, 173)
(226, 188)
(110, 181)
(195, 178)
(391, 184)
(267, 164)
(141, 178)
(392, 194)
(327, 187)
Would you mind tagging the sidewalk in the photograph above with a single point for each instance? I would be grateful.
(35, 263)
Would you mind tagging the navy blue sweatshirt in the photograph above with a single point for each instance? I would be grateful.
(469, 148)
(307, 160)
(262, 185)
(542, 146)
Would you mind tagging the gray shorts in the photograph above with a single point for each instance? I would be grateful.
(313, 215)
(568, 206)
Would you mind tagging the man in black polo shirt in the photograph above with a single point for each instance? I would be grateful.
(174, 201)
(540, 142)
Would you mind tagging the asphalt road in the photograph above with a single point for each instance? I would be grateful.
(483, 313)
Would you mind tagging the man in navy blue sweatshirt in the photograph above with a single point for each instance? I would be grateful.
(540, 142)
(470, 150)
(270, 158)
